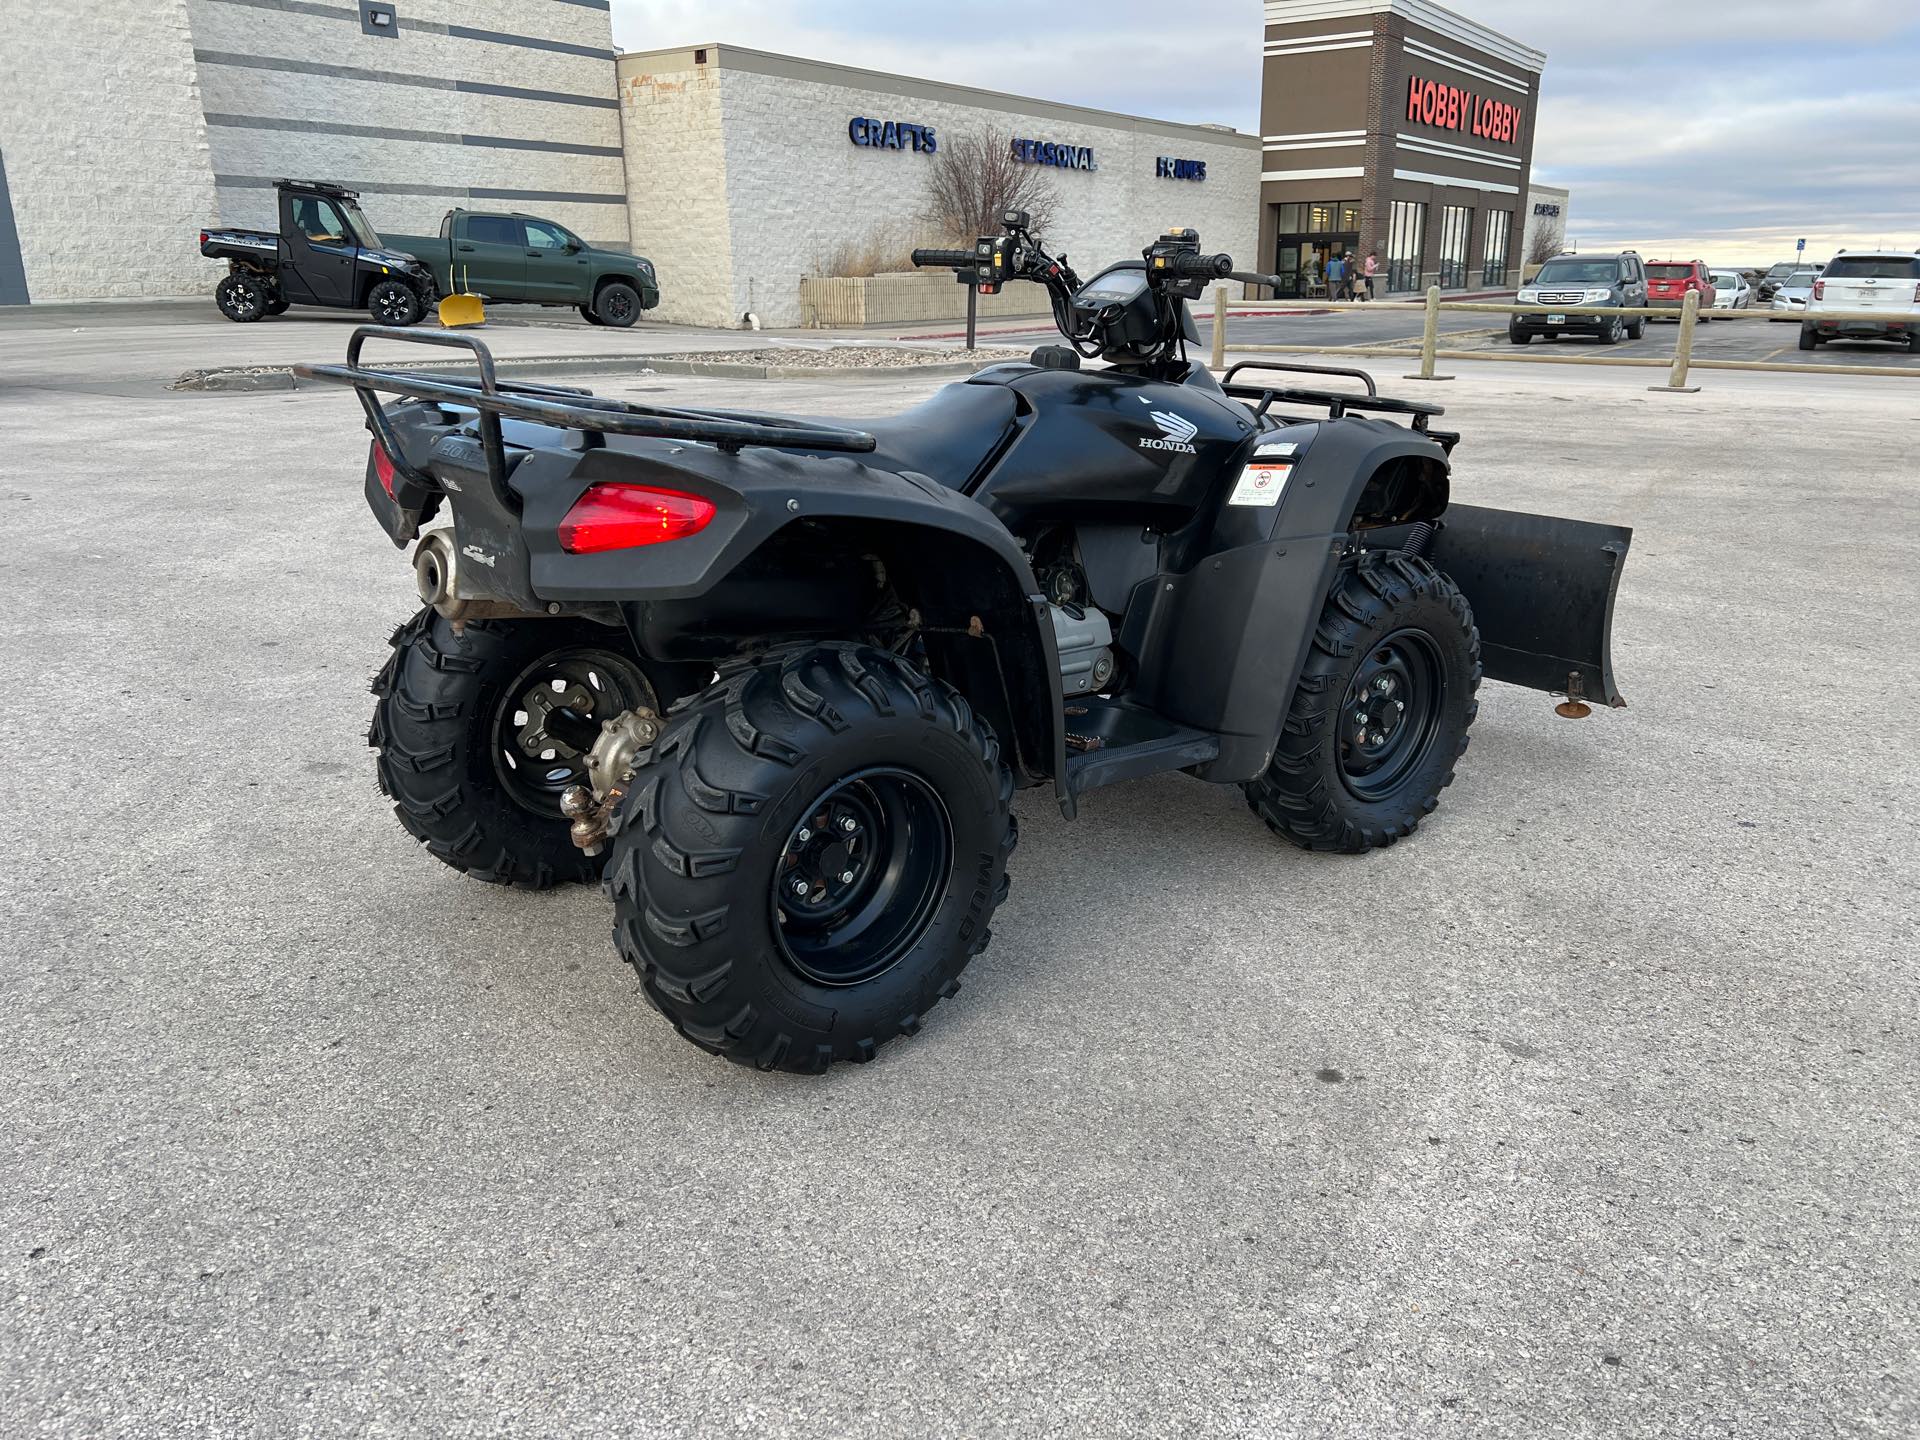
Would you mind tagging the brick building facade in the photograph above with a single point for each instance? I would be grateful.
(1400, 127)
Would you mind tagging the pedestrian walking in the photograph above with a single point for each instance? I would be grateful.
(1336, 277)
(1372, 273)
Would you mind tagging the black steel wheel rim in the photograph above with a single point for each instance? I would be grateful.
(392, 304)
(546, 721)
(1391, 715)
(861, 876)
(245, 297)
(619, 305)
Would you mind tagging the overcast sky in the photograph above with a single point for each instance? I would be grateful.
(1811, 125)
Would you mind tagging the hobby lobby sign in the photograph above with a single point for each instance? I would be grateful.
(1447, 107)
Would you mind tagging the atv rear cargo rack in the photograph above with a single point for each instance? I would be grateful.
(556, 405)
(1335, 402)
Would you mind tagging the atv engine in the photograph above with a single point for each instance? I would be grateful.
(1085, 639)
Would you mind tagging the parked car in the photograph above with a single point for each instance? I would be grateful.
(1669, 282)
(1867, 280)
(324, 253)
(1731, 290)
(1770, 282)
(1793, 292)
(1618, 280)
(523, 259)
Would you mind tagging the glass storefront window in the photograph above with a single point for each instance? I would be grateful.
(1499, 233)
(1456, 238)
(1406, 241)
(1307, 238)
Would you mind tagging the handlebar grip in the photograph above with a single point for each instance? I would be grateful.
(1196, 267)
(944, 259)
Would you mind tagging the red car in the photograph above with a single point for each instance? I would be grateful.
(1668, 282)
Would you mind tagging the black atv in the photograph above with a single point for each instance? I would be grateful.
(325, 253)
(775, 681)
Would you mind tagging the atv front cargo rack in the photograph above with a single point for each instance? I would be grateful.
(560, 406)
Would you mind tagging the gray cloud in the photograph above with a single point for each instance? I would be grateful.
(1723, 131)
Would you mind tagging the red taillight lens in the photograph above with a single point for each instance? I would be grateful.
(383, 467)
(622, 517)
(1819, 289)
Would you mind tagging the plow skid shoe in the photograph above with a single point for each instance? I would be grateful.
(1542, 593)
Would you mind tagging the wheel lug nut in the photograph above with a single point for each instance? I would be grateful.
(849, 825)
(1399, 704)
(805, 834)
(846, 877)
(799, 887)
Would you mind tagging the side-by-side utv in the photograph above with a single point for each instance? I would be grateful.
(775, 682)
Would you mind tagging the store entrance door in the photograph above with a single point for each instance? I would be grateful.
(1301, 263)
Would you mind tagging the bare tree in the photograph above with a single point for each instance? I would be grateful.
(1548, 241)
(975, 179)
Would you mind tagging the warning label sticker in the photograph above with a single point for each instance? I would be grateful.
(1261, 483)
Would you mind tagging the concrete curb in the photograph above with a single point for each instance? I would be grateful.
(261, 378)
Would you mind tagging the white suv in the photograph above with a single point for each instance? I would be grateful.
(1866, 281)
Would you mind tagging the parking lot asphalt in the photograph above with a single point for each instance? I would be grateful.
(1587, 1111)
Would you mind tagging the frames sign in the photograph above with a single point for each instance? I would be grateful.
(1168, 168)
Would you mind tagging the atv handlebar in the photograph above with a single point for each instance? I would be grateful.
(944, 259)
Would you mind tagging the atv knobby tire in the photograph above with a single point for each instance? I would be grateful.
(718, 820)
(1390, 616)
(243, 298)
(437, 725)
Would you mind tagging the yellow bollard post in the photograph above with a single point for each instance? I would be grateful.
(1219, 327)
(1683, 349)
(1430, 338)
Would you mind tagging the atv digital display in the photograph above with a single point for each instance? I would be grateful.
(1114, 287)
(1118, 310)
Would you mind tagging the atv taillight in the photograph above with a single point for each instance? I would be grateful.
(1819, 289)
(383, 467)
(623, 517)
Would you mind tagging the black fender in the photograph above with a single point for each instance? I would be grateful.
(790, 551)
(1221, 643)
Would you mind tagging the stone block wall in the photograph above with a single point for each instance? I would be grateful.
(106, 154)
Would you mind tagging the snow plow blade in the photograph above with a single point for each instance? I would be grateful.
(1542, 591)
(462, 309)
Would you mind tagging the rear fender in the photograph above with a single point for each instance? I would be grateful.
(783, 559)
(1542, 590)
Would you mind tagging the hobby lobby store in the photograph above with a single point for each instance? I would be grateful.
(1398, 127)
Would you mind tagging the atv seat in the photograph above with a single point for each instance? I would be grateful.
(947, 438)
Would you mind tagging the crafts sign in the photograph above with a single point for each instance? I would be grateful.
(1447, 107)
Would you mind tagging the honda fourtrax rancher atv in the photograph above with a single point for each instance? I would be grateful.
(775, 681)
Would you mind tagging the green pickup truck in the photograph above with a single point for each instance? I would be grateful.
(521, 259)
